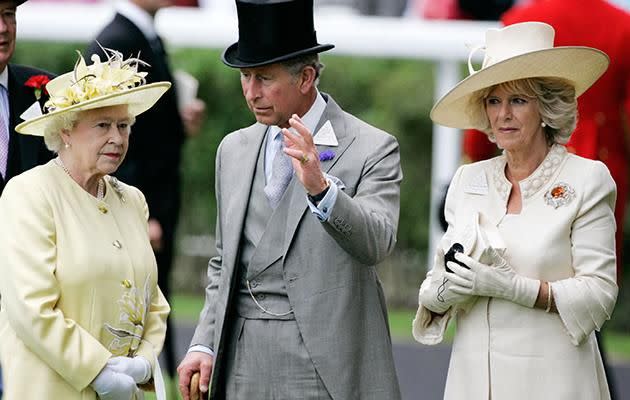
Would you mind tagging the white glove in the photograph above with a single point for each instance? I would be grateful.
(112, 385)
(495, 280)
(438, 295)
(137, 367)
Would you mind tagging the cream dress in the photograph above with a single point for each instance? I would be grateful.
(565, 234)
(78, 284)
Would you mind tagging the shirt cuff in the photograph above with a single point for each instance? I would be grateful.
(323, 210)
(202, 349)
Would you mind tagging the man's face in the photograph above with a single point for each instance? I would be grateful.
(272, 94)
(7, 32)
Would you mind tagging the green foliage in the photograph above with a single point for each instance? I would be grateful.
(394, 95)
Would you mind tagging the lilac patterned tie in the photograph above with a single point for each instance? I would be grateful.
(281, 173)
(4, 137)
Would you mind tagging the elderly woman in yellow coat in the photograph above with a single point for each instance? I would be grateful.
(81, 314)
(536, 273)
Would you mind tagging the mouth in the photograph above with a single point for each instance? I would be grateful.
(113, 156)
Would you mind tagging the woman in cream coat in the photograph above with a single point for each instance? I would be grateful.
(81, 314)
(536, 225)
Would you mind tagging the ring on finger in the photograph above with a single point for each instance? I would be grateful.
(304, 158)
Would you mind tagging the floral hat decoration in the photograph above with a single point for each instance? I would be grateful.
(101, 84)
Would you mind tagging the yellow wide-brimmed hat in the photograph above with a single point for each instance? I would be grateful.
(519, 51)
(101, 84)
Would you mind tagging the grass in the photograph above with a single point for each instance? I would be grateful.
(187, 308)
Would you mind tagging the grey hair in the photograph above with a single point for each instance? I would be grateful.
(65, 122)
(52, 133)
(557, 105)
(296, 65)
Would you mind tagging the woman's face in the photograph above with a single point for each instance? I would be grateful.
(99, 140)
(515, 120)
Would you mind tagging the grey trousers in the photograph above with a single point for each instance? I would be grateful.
(267, 360)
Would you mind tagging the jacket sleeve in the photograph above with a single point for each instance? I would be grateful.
(428, 327)
(30, 290)
(204, 333)
(155, 324)
(586, 300)
(365, 225)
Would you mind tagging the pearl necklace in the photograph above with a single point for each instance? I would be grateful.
(100, 188)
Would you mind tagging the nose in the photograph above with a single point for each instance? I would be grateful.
(506, 110)
(251, 89)
(116, 135)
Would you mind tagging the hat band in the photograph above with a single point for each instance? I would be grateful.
(253, 51)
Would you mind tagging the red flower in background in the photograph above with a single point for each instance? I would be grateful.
(38, 83)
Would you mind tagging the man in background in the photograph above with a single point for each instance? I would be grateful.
(154, 159)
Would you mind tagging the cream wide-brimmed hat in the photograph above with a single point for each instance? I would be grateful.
(101, 84)
(519, 51)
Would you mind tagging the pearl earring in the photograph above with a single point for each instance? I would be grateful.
(66, 145)
(543, 124)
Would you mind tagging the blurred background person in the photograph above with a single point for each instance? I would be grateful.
(20, 87)
(154, 160)
(81, 314)
(535, 275)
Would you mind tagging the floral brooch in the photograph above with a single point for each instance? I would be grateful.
(559, 195)
(38, 83)
(326, 155)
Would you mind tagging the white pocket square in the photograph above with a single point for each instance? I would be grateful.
(325, 136)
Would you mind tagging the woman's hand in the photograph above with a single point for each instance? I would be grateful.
(438, 296)
(112, 385)
(137, 367)
(495, 280)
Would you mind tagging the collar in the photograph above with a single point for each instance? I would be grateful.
(533, 183)
(139, 17)
(310, 119)
(4, 78)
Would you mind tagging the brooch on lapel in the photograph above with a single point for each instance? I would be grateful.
(117, 188)
(559, 195)
(326, 155)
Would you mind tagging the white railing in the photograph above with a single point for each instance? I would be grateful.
(441, 41)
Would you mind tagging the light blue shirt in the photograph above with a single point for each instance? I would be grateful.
(323, 210)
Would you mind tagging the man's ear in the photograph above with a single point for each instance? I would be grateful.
(308, 76)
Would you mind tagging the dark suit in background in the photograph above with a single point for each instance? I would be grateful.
(153, 161)
(25, 152)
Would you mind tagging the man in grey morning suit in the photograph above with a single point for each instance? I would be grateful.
(294, 308)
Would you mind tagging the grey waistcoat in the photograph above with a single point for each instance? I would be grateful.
(261, 258)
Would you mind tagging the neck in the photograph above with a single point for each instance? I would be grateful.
(88, 181)
(520, 165)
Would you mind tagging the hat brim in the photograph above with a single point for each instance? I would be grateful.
(229, 56)
(139, 100)
(581, 66)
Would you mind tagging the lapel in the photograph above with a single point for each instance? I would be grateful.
(250, 141)
(345, 137)
(23, 150)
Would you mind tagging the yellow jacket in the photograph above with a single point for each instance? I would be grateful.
(78, 284)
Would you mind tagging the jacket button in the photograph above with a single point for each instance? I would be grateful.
(117, 244)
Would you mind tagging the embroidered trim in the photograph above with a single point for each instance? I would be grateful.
(533, 183)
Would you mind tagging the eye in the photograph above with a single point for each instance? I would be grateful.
(518, 100)
(492, 101)
(103, 125)
(8, 15)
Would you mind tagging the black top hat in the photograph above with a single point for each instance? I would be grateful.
(266, 34)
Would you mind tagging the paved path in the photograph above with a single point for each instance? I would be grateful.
(421, 369)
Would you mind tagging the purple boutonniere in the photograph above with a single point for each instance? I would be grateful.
(326, 155)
